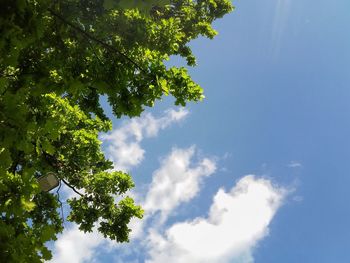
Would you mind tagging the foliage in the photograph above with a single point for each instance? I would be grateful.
(56, 59)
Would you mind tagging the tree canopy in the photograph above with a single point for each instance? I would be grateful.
(57, 58)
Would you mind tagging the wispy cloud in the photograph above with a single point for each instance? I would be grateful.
(176, 181)
(124, 143)
(281, 16)
(294, 164)
(237, 221)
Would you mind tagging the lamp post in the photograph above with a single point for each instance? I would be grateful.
(48, 181)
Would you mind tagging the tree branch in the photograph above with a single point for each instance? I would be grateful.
(91, 37)
(58, 165)
(72, 187)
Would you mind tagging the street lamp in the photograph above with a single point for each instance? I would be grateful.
(48, 181)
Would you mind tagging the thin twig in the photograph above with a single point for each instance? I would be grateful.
(72, 187)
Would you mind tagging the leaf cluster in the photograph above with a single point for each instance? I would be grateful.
(57, 58)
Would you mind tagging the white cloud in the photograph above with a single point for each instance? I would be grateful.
(176, 181)
(75, 246)
(294, 164)
(124, 147)
(237, 221)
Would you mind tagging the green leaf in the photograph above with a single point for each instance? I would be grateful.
(47, 233)
(5, 158)
(48, 147)
(27, 205)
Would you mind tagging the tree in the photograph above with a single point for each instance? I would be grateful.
(56, 59)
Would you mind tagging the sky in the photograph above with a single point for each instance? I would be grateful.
(258, 171)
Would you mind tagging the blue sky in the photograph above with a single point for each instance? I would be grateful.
(257, 172)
